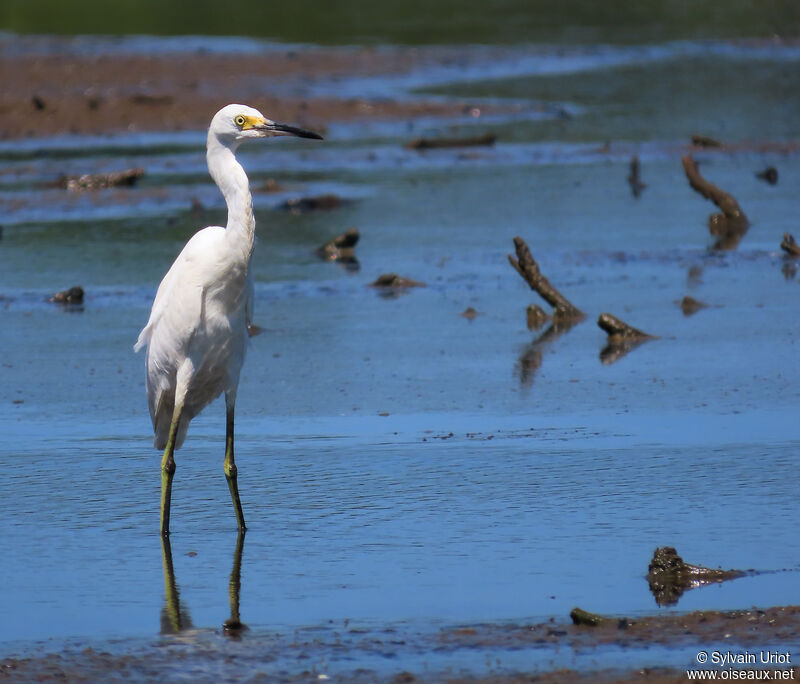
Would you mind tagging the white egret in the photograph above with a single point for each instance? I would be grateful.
(196, 336)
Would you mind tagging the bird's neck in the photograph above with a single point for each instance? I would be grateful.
(229, 175)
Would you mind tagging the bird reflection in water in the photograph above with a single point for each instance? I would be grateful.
(175, 616)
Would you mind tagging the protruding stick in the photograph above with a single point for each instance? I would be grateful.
(633, 177)
(616, 327)
(725, 201)
(527, 267)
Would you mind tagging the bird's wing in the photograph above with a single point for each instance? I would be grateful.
(180, 291)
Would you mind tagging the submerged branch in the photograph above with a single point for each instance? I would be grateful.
(633, 177)
(616, 327)
(725, 201)
(730, 225)
(622, 338)
(526, 266)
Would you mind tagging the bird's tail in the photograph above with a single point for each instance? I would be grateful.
(144, 338)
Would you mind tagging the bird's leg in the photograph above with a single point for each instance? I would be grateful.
(168, 470)
(230, 465)
(183, 378)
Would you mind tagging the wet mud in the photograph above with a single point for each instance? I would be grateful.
(46, 95)
(275, 657)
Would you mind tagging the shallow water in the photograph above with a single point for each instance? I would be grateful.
(400, 464)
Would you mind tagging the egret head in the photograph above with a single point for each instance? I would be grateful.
(236, 123)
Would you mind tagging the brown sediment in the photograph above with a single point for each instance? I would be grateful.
(433, 143)
(43, 95)
(729, 226)
(738, 629)
(742, 627)
(526, 266)
(789, 245)
(669, 576)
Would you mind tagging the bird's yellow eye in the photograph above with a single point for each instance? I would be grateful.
(239, 121)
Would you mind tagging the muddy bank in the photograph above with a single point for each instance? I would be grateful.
(258, 656)
(44, 95)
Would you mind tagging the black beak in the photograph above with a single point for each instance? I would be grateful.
(286, 129)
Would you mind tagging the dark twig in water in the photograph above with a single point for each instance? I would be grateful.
(526, 266)
(770, 175)
(789, 245)
(433, 143)
(732, 223)
(633, 177)
(669, 576)
(705, 141)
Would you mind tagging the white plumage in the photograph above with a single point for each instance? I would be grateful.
(196, 336)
